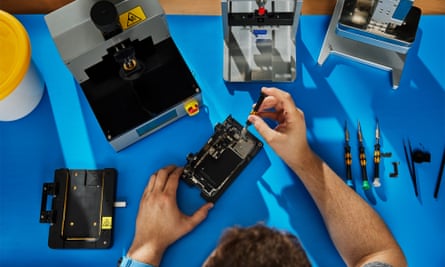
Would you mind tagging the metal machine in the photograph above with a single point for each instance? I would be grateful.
(375, 32)
(128, 66)
(259, 39)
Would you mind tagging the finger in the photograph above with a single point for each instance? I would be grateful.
(269, 115)
(262, 128)
(162, 177)
(173, 181)
(200, 215)
(269, 103)
(151, 183)
(283, 98)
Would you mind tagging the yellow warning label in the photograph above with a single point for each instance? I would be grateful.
(107, 223)
(132, 17)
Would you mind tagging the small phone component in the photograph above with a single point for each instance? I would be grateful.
(222, 158)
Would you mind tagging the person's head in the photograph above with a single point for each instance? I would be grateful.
(257, 246)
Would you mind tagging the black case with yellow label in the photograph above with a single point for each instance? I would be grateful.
(81, 214)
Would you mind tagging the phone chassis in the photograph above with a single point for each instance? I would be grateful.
(221, 159)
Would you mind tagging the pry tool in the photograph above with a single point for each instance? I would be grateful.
(253, 111)
(411, 167)
(439, 177)
(376, 181)
(348, 158)
(365, 182)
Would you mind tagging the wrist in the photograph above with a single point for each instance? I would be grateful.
(303, 161)
(146, 254)
(129, 262)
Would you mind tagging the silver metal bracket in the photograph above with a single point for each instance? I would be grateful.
(259, 39)
(369, 46)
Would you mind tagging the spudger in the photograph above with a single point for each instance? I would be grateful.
(411, 168)
(253, 112)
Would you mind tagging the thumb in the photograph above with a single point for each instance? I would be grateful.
(201, 214)
(262, 128)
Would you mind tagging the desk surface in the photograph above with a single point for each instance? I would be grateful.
(62, 132)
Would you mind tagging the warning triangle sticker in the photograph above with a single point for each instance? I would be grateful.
(132, 19)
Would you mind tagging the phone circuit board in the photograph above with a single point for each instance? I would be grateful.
(221, 159)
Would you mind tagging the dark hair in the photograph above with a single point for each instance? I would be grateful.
(258, 246)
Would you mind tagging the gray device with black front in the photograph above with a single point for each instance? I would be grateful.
(129, 68)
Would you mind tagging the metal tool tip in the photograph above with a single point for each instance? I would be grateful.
(359, 132)
(244, 132)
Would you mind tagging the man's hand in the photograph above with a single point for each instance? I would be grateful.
(160, 222)
(358, 241)
(288, 139)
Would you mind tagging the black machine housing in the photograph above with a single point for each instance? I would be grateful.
(121, 104)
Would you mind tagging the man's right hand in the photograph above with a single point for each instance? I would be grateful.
(288, 139)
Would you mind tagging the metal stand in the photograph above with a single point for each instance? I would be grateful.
(365, 47)
(259, 39)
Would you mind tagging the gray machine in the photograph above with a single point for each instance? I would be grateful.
(375, 32)
(259, 39)
(129, 68)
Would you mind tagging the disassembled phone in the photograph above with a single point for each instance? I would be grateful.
(222, 158)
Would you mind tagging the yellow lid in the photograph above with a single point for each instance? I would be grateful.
(15, 53)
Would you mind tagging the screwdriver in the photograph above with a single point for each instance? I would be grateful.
(376, 182)
(253, 112)
(348, 158)
(365, 183)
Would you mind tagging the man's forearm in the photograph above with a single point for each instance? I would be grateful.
(356, 229)
(28, 7)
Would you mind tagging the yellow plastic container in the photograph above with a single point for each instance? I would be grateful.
(21, 86)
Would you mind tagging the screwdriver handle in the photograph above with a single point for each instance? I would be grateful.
(376, 182)
(348, 162)
(365, 182)
(259, 102)
(256, 107)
